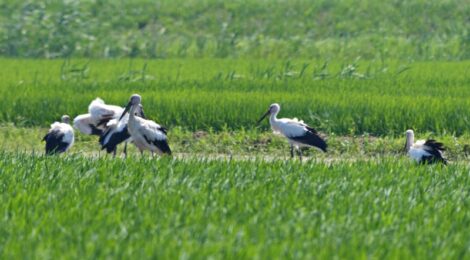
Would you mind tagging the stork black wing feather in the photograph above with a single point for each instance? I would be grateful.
(163, 129)
(311, 129)
(433, 159)
(435, 149)
(435, 145)
(95, 130)
(105, 119)
(312, 138)
(54, 142)
(114, 140)
(162, 145)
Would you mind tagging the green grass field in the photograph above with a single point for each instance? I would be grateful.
(360, 72)
(351, 98)
(78, 208)
(231, 191)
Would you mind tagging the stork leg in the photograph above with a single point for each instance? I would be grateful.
(125, 149)
(291, 151)
(114, 152)
(299, 151)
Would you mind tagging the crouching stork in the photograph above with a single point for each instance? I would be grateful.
(146, 134)
(424, 151)
(296, 131)
(98, 116)
(60, 137)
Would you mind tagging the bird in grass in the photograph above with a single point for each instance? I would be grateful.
(424, 151)
(117, 132)
(95, 121)
(296, 131)
(146, 134)
(60, 137)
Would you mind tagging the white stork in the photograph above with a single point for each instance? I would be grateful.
(60, 137)
(146, 134)
(296, 131)
(424, 151)
(99, 114)
(117, 132)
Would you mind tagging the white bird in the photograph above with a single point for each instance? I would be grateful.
(146, 134)
(117, 132)
(85, 124)
(60, 137)
(99, 114)
(296, 131)
(424, 151)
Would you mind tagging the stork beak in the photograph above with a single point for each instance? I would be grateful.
(142, 114)
(265, 114)
(125, 110)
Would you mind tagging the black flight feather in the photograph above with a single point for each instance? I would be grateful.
(105, 120)
(312, 138)
(95, 131)
(54, 142)
(115, 138)
(162, 145)
(435, 149)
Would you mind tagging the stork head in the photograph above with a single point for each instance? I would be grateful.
(273, 109)
(409, 133)
(410, 136)
(133, 101)
(65, 119)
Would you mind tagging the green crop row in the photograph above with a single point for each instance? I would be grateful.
(425, 30)
(75, 207)
(353, 97)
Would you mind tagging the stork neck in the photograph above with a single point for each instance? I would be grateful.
(409, 142)
(132, 112)
(273, 117)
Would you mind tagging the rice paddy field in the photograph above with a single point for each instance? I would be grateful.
(360, 72)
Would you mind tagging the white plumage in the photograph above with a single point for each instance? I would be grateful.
(424, 151)
(85, 124)
(296, 131)
(417, 151)
(146, 134)
(99, 114)
(60, 137)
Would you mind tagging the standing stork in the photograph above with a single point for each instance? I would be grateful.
(296, 131)
(99, 114)
(117, 132)
(146, 134)
(424, 151)
(60, 137)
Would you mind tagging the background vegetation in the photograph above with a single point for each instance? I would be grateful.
(419, 30)
(339, 98)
